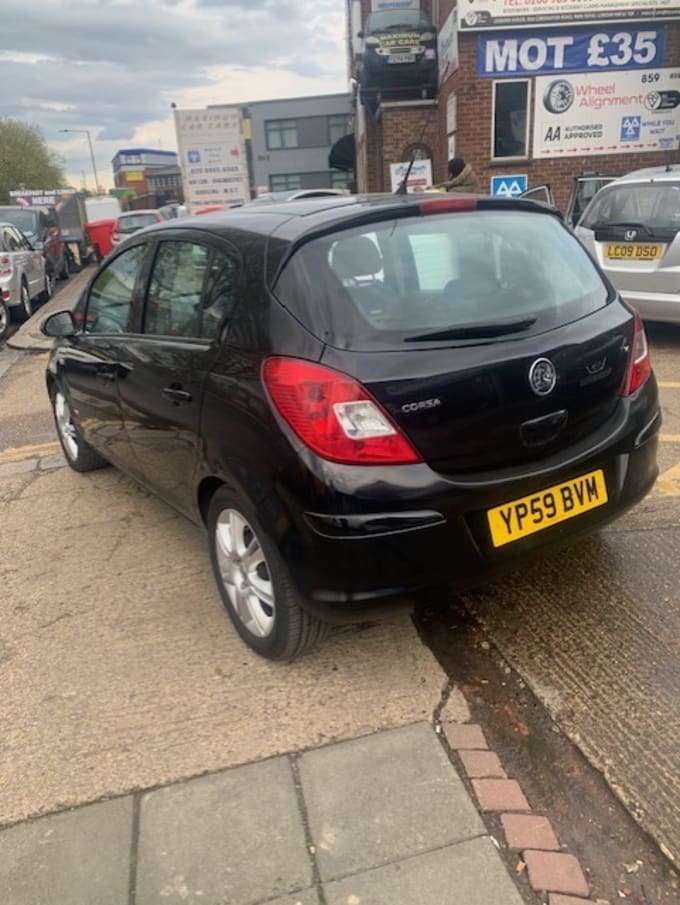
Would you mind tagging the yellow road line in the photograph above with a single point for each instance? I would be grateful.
(666, 482)
(669, 438)
(31, 451)
(669, 384)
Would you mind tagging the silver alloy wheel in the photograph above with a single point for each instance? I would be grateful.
(4, 319)
(65, 425)
(245, 572)
(26, 300)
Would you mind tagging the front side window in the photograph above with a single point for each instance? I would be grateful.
(281, 133)
(174, 297)
(510, 119)
(112, 294)
(285, 182)
(391, 282)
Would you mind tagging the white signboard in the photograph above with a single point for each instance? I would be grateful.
(212, 157)
(607, 113)
(447, 47)
(480, 14)
(419, 178)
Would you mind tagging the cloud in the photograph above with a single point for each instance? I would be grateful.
(114, 66)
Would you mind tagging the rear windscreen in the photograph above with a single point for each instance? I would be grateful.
(135, 222)
(24, 220)
(387, 283)
(655, 205)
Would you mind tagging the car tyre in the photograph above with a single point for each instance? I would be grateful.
(23, 311)
(255, 583)
(4, 319)
(78, 453)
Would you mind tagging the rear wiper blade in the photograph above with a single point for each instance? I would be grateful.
(474, 331)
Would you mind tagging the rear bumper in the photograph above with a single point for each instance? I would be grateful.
(655, 306)
(414, 529)
(9, 291)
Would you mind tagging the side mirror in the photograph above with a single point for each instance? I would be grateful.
(59, 324)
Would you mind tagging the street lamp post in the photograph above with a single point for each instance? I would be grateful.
(89, 141)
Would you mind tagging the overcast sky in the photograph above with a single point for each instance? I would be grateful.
(115, 66)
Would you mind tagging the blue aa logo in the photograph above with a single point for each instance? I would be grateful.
(509, 186)
(630, 128)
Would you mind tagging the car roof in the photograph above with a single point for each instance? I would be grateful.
(293, 221)
(670, 173)
(144, 210)
(21, 207)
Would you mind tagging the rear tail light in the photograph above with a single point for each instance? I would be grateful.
(640, 362)
(334, 415)
(5, 266)
(115, 235)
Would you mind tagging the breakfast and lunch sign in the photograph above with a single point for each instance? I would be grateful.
(481, 14)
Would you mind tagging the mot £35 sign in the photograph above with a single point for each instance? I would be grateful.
(535, 52)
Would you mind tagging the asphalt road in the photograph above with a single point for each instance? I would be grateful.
(124, 672)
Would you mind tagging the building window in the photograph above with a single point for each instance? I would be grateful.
(281, 133)
(340, 180)
(510, 119)
(339, 125)
(285, 182)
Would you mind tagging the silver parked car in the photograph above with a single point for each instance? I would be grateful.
(24, 279)
(632, 228)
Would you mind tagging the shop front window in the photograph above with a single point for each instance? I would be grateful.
(510, 119)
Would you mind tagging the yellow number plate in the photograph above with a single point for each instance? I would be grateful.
(634, 251)
(520, 518)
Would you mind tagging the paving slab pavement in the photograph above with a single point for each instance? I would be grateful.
(122, 670)
(274, 832)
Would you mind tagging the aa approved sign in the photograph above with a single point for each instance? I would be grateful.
(605, 113)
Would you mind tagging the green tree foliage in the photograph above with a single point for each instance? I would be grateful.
(26, 160)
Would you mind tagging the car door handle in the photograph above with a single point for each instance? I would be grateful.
(106, 375)
(177, 394)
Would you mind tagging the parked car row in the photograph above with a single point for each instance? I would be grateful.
(26, 273)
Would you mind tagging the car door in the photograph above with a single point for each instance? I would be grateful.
(90, 363)
(191, 288)
(32, 264)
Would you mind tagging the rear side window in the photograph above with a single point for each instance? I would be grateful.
(655, 205)
(381, 285)
(191, 290)
(174, 297)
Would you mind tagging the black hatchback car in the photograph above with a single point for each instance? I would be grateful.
(360, 397)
